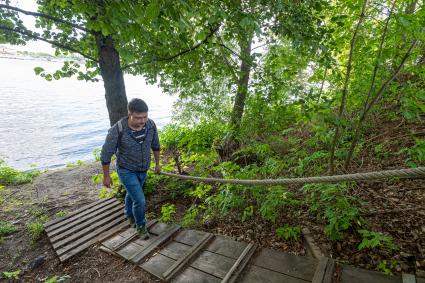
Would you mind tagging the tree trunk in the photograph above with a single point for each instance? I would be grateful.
(113, 79)
(241, 94)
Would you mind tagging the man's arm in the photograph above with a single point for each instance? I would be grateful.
(157, 166)
(108, 149)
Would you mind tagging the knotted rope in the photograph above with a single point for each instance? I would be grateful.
(367, 176)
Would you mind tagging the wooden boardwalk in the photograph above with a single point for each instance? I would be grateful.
(183, 255)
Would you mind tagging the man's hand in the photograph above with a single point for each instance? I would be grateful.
(107, 181)
(157, 169)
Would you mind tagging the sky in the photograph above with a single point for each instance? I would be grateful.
(29, 21)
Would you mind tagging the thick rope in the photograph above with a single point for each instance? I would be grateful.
(368, 176)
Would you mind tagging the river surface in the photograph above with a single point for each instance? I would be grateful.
(51, 124)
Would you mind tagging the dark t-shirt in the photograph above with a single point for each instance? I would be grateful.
(139, 136)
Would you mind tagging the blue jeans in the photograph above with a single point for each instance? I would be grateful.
(134, 198)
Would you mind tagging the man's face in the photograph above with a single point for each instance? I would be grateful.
(138, 119)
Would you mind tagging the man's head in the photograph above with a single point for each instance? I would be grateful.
(137, 112)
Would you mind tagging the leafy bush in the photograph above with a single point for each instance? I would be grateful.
(117, 190)
(372, 240)
(6, 229)
(332, 202)
(10, 176)
(167, 212)
(276, 198)
(288, 233)
(190, 217)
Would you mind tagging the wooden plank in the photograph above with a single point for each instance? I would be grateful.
(226, 247)
(84, 221)
(214, 264)
(102, 237)
(330, 269)
(292, 265)
(77, 216)
(408, 278)
(240, 264)
(109, 243)
(72, 213)
(157, 265)
(158, 241)
(420, 280)
(351, 274)
(179, 264)
(189, 237)
(320, 270)
(256, 274)
(129, 250)
(159, 228)
(194, 275)
(83, 243)
(174, 250)
(80, 233)
(132, 236)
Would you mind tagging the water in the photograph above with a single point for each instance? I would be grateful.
(51, 124)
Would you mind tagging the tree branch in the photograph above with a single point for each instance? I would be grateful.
(169, 58)
(35, 14)
(54, 43)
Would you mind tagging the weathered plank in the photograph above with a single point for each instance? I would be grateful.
(163, 237)
(240, 264)
(189, 237)
(113, 231)
(319, 274)
(226, 247)
(351, 274)
(84, 221)
(408, 278)
(330, 268)
(81, 244)
(109, 243)
(132, 236)
(256, 274)
(174, 250)
(80, 233)
(78, 218)
(157, 265)
(194, 275)
(178, 265)
(78, 211)
(160, 228)
(129, 250)
(295, 266)
(214, 264)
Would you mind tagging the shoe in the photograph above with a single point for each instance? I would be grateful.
(143, 232)
(131, 221)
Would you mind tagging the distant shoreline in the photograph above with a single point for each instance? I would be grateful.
(47, 59)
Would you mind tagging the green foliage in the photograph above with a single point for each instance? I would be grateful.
(57, 278)
(248, 213)
(167, 213)
(372, 240)
(276, 198)
(387, 266)
(35, 229)
(116, 190)
(288, 233)
(76, 164)
(61, 214)
(6, 229)
(190, 217)
(10, 176)
(96, 154)
(12, 274)
(416, 153)
(332, 202)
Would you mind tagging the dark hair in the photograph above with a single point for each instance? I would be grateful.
(137, 105)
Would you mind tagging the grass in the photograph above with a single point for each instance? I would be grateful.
(13, 177)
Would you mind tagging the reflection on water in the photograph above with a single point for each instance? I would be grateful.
(54, 123)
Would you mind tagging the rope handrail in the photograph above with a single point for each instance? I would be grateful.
(418, 172)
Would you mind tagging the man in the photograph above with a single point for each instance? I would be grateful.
(131, 140)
